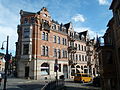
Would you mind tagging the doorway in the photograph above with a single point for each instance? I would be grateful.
(26, 71)
(65, 71)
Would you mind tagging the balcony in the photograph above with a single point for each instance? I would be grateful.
(89, 53)
(70, 38)
(26, 57)
(72, 49)
(70, 62)
(46, 26)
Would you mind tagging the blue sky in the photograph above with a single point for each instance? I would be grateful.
(92, 15)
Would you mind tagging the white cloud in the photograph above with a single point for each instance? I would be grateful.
(8, 24)
(103, 2)
(91, 32)
(78, 17)
(12, 33)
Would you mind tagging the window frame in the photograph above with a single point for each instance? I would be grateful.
(24, 49)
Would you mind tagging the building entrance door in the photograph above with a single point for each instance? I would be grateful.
(27, 71)
(65, 71)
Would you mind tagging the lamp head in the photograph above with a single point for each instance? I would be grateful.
(2, 47)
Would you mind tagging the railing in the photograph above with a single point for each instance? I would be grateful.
(71, 38)
(72, 48)
(54, 85)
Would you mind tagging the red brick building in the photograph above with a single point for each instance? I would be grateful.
(41, 41)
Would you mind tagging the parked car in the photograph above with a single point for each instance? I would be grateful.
(82, 77)
(96, 81)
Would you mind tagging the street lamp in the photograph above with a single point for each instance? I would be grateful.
(2, 45)
(7, 58)
(56, 68)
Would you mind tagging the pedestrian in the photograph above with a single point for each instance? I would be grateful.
(0, 79)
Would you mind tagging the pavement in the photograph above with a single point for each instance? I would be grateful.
(27, 84)
(23, 84)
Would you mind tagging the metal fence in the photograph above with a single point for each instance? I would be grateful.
(54, 85)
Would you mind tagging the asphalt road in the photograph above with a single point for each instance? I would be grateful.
(70, 85)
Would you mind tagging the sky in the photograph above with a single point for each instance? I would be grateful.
(91, 15)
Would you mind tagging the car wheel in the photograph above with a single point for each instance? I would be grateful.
(83, 81)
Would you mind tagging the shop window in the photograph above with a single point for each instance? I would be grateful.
(45, 69)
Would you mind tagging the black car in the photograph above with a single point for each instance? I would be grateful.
(96, 81)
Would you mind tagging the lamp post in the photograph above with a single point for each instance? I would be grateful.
(7, 57)
(56, 68)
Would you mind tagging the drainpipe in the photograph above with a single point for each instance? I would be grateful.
(36, 50)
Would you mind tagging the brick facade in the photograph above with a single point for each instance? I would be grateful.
(41, 41)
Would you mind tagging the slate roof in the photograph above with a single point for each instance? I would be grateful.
(26, 13)
(67, 25)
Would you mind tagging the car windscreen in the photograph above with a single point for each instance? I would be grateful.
(77, 74)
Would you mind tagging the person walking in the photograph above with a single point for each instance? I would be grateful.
(0, 79)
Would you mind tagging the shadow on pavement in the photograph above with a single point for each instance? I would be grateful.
(76, 88)
(70, 81)
(13, 89)
(90, 84)
(30, 86)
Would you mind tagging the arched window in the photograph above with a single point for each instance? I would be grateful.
(82, 67)
(45, 69)
(77, 71)
(54, 39)
(55, 52)
(76, 57)
(46, 38)
(43, 50)
(85, 66)
(59, 53)
(79, 46)
(58, 40)
(46, 51)
(77, 66)
(85, 69)
(85, 58)
(43, 35)
(80, 57)
(72, 66)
